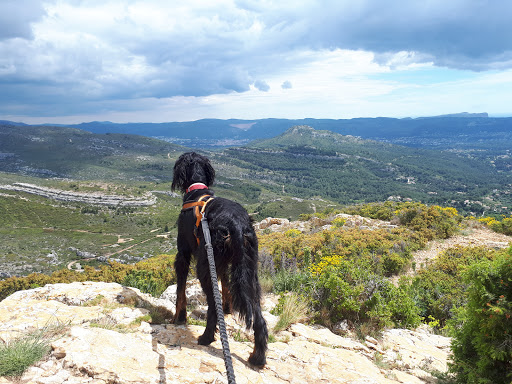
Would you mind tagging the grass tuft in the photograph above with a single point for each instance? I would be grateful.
(17, 355)
(293, 310)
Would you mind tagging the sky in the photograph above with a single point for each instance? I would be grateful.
(72, 61)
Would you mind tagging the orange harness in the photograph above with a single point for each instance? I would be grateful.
(198, 212)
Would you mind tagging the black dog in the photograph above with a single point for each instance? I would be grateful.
(234, 244)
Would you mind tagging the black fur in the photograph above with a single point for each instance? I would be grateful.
(235, 247)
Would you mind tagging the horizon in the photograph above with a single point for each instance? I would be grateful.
(67, 62)
(497, 116)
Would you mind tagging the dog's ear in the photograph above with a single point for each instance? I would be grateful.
(209, 173)
(179, 178)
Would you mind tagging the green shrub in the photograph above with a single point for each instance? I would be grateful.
(388, 251)
(393, 263)
(434, 222)
(287, 280)
(158, 267)
(431, 221)
(338, 222)
(346, 289)
(438, 289)
(501, 226)
(145, 281)
(482, 339)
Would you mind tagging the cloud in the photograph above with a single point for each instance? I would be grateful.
(16, 17)
(286, 85)
(475, 35)
(262, 85)
(72, 56)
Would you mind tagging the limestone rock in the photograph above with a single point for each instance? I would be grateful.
(194, 292)
(95, 198)
(105, 344)
(315, 223)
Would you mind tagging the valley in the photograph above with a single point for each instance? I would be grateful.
(66, 192)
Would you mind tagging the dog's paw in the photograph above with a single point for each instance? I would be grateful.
(180, 318)
(257, 361)
(205, 339)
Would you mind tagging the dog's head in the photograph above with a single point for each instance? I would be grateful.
(192, 168)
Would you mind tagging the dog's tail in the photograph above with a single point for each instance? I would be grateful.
(245, 288)
(246, 291)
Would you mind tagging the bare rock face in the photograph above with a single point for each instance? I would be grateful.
(194, 292)
(95, 198)
(107, 342)
(315, 223)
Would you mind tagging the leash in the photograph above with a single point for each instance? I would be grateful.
(218, 300)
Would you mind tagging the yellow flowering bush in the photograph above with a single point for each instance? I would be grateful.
(292, 233)
(338, 222)
(430, 221)
(343, 289)
(324, 263)
(501, 226)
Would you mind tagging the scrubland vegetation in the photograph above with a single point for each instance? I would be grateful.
(350, 276)
(343, 275)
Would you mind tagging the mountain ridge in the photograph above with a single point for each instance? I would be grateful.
(445, 131)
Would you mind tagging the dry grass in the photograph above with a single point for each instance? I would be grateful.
(294, 309)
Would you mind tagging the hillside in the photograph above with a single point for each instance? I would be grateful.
(306, 162)
(342, 269)
(107, 195)
(300, 163)
(474, 134)
(44, 229)
(72, 153)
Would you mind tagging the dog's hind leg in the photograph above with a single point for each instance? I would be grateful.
(257, 357)
(226, 294)
(203, 273)
(181, 266)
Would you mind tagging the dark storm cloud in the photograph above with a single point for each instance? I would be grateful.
(93, 51)
(467, 34)
(16, 17)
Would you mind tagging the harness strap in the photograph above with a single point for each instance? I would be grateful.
(198, 212)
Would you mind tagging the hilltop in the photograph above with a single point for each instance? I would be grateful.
(347, 169)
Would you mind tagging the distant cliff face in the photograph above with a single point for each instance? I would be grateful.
(108, 340)
(86, 198)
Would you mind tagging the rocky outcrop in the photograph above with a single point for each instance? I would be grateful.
(316, 223)
(109, 341)
(94, 198)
